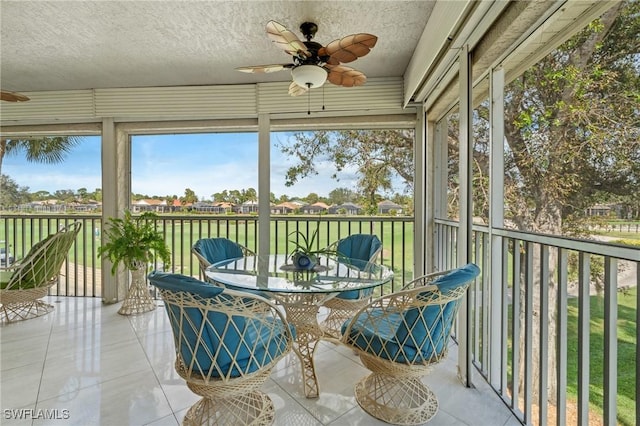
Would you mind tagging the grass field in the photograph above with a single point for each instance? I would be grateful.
(180, 234)
(627, 362)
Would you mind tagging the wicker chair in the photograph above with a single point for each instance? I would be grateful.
(226, 344)
(398, 337)
(360, 250)
(212, 250)
(28, 280)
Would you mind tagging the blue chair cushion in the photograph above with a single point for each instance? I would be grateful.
(375, 333)
(355, 294)
(354, 248)
(359, 246)
(409, 331)
(218, 249)
(238, 334)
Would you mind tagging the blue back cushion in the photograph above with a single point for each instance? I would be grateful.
(419, 323)
(238, 333)
(360, 247)
(218, 249)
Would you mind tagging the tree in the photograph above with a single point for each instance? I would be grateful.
(312, 198)
(376, 155)
(190, 197)
(39, 195)
(48, 150)
(572, 128)
(572, 133)
(12, 194)
(249, 195)
(82, 194)
(573, 125)
(66, 195)
(342, 195)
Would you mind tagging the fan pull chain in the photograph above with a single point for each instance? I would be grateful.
(309, 99)
(323, 97)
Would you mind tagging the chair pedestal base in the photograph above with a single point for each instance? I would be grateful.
(396, 400)
(23, 304)
(252, 408)
(237, 402)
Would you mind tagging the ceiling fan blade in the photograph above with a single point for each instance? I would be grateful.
(295, 90)
(345, 76)
(349, 48)
(286, 40)
(13, 96)
(259, 69)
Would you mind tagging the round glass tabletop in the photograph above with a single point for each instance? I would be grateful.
(276, 273)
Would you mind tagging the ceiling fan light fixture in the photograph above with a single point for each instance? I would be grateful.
(309, 76)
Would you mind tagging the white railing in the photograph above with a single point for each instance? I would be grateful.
(565, 322)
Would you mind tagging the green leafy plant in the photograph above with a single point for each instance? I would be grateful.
(305, 254)
(307, 245)
(134, 241)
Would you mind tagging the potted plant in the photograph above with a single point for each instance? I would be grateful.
(133, 242)
(305, 254)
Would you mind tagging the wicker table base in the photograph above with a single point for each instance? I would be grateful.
(302, 312)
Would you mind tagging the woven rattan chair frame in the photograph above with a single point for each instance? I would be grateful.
(341, 310)
(394, 392)
(204, 262)
(31, 278)
(231, 395)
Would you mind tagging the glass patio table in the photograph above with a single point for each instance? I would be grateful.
(300, 292)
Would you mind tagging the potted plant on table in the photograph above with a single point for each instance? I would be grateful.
(305, 254)
(133, 242)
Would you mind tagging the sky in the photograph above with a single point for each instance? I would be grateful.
(168, 164)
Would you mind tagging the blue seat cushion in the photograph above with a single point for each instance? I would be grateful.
(421, 332)
(221, 346)
(355, 294)
(375, 332)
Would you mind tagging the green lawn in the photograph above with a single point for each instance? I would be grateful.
(180, 234)
(627, 337)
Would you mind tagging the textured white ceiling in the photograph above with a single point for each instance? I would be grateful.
(66, 45)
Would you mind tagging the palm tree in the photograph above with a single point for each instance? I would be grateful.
(48, 149)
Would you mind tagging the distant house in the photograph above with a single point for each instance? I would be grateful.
(346, 208)
(315, 208)
(603, 210)
(223, 207)
(46, 206)
(386, 206)
(285, 208)
(89, 206)
(248, 207)
(149, 205)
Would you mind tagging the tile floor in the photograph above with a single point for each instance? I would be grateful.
(86, 365)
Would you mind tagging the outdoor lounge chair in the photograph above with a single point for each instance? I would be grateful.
(25, 282)
(226, 344)
(212, 250)
(360, 250)
(398, 337)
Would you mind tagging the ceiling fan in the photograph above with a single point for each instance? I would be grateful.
(313, 64)
(12, 96)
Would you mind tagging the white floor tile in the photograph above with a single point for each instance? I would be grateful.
(99, 367)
